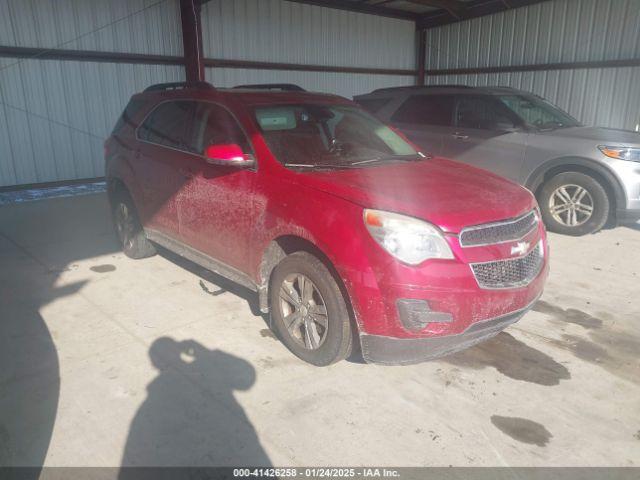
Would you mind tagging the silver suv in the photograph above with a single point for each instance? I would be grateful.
(582, 176)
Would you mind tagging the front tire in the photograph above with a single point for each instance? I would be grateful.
(573, 203)
(129, 231)
(308, 310)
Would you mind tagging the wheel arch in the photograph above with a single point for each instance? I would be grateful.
(114, 186)
(551, 168)
(287, 244)
(120, 175)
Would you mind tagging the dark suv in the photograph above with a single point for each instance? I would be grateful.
(344, 229)
(582, 176)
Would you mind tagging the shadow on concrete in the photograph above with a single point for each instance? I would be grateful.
(512, 358)
(222, 284)
(190, 416)
(38, 241)
(29, 376)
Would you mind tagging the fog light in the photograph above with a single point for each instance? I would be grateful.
(416, 314)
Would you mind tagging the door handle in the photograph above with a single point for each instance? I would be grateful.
(460, 136)
(137, 154)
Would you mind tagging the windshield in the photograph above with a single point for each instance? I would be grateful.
(330, 136)
(538, 113)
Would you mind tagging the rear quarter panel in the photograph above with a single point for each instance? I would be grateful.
(118, 165)
(120, 149)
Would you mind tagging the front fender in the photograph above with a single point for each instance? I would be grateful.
(581, 164)
(331, 224)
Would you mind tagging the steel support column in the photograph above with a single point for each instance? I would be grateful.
(421, 53)
(192, 40)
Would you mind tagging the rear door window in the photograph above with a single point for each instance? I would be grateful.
(426, 110)
(483, 113)
(132, 108)
(168, 124)
(373, 105)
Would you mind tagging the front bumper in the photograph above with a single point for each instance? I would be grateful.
(405, 351)
(448, 287)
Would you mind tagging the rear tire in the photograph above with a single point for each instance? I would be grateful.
(129, 231)
(574, 203)
(308, 312)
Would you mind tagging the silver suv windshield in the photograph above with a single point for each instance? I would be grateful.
(330, 136)
(538, 113)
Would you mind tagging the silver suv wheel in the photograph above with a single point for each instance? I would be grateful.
(571, 205)
(574, 203)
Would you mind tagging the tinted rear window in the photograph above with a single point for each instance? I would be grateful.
(483, 112)
(132, 108)
(168, 124)
(426, 110)
(373, 104)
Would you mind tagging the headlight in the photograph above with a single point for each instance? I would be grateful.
(408, 239)
(621, 153)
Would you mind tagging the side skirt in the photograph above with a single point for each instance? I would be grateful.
(201, 259)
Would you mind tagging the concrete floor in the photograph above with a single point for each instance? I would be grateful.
(107, 361)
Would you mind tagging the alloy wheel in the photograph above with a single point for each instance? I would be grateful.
(571, 205)
(304, 311)
(125, 225)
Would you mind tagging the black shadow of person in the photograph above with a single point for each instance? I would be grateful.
(190, 416)
(29, 365)
(38, 242)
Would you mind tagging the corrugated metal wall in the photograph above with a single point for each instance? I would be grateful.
(345, 84)
(281, 31)
(608, 97)
(551, 32)
(130, 26)
(55, 115)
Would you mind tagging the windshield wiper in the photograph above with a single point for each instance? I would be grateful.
(380, 159)
(550, 126)
(313, 166)
(392, 158)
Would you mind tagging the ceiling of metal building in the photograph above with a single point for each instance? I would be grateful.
(426, 13)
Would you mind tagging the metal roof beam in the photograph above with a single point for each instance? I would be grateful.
(361, 8)
(472, 9)
(454, 7)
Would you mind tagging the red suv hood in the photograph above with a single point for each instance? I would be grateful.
(448, 194)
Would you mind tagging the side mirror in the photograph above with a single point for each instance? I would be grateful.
(230, 155)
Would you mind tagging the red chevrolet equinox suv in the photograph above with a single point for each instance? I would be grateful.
(349, 234)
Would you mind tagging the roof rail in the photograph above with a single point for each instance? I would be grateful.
(158, 87)
(285, 87)
(418, 87)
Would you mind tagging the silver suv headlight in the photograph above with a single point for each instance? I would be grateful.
(621, 153)
(408, 239)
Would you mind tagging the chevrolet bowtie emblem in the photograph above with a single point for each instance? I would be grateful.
(520, 248)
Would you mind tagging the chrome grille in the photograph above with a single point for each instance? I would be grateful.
(511, 273)
(499, 232)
